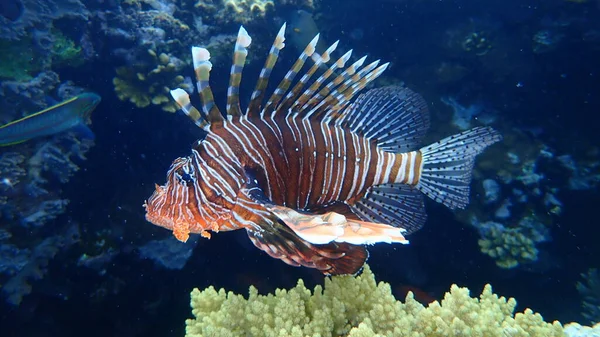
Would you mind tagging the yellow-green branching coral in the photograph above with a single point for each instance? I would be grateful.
(357, 307)
(150, 83)
(508, 246)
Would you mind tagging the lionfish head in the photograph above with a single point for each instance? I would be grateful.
(174, 205)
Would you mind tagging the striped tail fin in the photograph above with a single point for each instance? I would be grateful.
(447, 165)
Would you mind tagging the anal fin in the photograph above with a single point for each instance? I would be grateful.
(398, 205)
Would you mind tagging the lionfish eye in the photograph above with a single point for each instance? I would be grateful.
(184, 176)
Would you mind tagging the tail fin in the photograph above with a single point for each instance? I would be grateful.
(447, 165)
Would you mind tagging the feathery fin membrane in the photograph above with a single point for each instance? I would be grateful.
(396, 118)
(447, 165)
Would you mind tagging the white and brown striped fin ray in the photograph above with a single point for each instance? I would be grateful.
(321, 94)
(328, 97)
(447, 165)
(291, 96)
(395, 117)
(182, 99)
(398, 205)
(263, 80)
(330, 105)
(342, 100)
(308, 94)
(239, 60)
(289, 77)
(202, 68)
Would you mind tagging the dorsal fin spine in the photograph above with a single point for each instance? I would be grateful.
(182, 99)
(291, 96)
(318, 97)
(239, 59)
(265, 73)
(332, 99)
(202, 67)
(308, 94)
(289, 77)
(367, 75)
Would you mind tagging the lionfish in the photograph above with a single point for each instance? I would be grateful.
(313, 175)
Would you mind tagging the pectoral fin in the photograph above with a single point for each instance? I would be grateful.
(280, 242)
(330, 226)
(335, 227)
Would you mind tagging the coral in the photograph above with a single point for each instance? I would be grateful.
(169, 252)
(589, 289)
(577, 330)
(40, 14)
(519, 206)
(11, 171)
(33, 266)
(509, 247)
(358, 306)
(584, 172)
(241, 6)
(144, 85)
(31, 177)
(18, 60)
(64, 51)
(234, 11)
(57, 158)
(19, 97)
(546, 40)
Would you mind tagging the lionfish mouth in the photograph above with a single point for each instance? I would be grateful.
(153, 213)
(160, 213)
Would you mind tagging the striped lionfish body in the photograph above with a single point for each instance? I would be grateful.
(313, 174)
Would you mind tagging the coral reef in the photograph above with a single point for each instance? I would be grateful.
(509, 247)
(577, 330)
(358, 306)
(24, 265)
(39, 15)
(143, 85)
(31, 177)
(518, 208)
(149, 40)
(589, 289)
(20, 98)
(238, 11)
(168, 253)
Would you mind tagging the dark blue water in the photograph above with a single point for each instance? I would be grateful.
(534, 77)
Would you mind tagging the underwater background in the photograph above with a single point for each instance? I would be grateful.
(78, 257)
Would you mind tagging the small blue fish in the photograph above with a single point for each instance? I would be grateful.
(63, 116)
